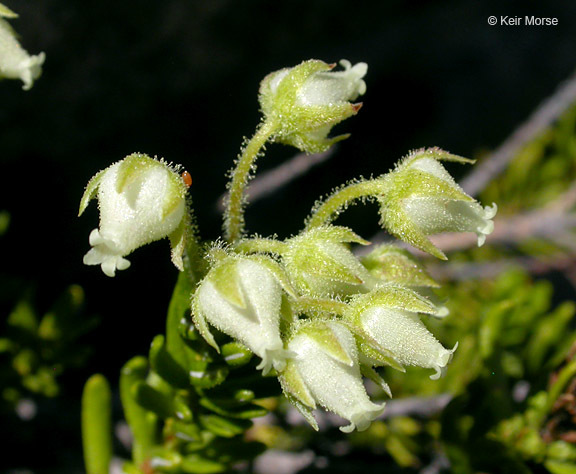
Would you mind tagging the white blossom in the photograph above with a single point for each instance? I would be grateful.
(15, 62)
(141, 200)
(242, 298)
(326, 365)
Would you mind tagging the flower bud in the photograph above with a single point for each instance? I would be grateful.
(242, 298)
(320, 263)
(388, 317)
(325, 370)
(15, 62)
(309, 99)
(141, 200)
(423, 199)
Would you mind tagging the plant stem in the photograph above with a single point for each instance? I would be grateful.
(328, 210)
(234, 214)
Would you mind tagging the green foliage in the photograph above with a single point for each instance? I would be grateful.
(35, 350)
(188, 406)
(512, 339)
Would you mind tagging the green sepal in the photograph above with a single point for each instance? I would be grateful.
(397, 265)
(244, 411)
(90, 191)
(197, 464)
(5, 12)
(131, 167)
(205, 375)
(373, 351)
(400, 226)
(407, 183)
(236, 354)
(370, 373)
(178, 240)
(437, 154)
(225, 427)
(202, 325)
(390, 296)
(414, 182)
(287, 91)
(165, 366)
(311, 143)
(304, 410)
(225, 279)
(293, 385)
(323, 335)
(178, 191)
(279, 273)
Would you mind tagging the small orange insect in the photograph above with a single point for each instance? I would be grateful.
(187, 178)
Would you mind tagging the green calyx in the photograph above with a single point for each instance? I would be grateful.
(395, 265)
(320, 262)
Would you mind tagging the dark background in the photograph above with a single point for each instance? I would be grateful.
(179, 79)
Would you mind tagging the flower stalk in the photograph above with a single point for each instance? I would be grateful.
(234, 221)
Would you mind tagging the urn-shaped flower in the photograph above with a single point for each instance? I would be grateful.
(307, 100)
(242, 296)
(388, 318)
(141, 200)
(421, 199)
(325, 371)
(15, 62)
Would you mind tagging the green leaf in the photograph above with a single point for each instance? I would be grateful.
(224, 427)
(202, 375)
(142, 422)
(165, 365)
(559, 467)
(153, 400)
(236, 354)
(198, 465)
(96, 425)
(245, 411)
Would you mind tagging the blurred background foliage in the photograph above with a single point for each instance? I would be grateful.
(179, 79)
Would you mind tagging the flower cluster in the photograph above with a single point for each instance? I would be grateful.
(315, 314)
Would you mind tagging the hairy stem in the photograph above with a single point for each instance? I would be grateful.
(234, 214)
(327, 211)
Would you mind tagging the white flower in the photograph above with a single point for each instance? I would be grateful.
(423, 199)
(307, 100)
(15, 62)
(333, 87)
(242, 298)
(140, 200)
(388, 316)
(325, 370)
